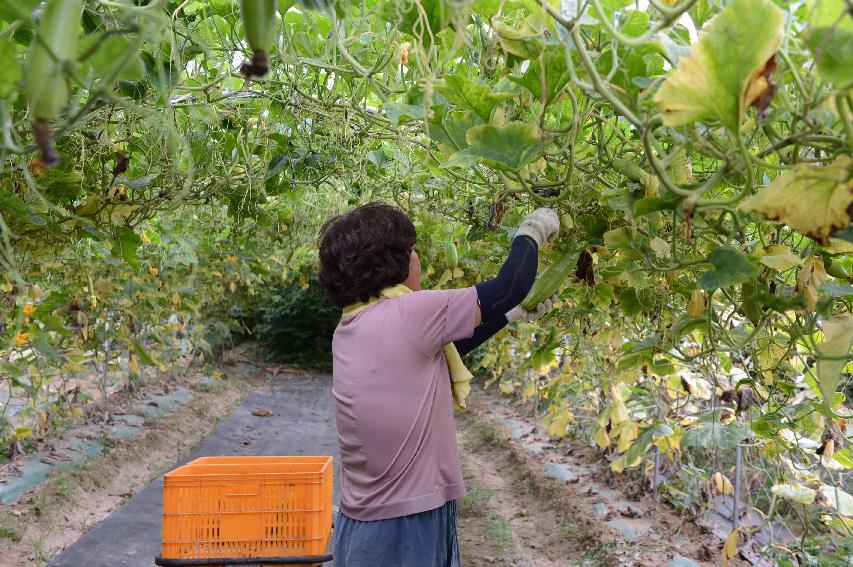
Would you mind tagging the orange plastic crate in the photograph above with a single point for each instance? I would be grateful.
(248, 507)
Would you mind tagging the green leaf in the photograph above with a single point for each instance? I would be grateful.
(10, 69)
(839, 334)
(604, 294)
(686, 325)
(462, 159)
(12, 205)
(110, 52)
(452, 129)
(651, 205)
(719, 79)
(550, 67)
(811, 200)
(833, 52)
(143, 354)
(843, 456)
(509, 147)
(11, 10)
(711, 433)
(635, 301)
(700, 12)
(635, 24)
(11, 369)
(424, 18)
(836, 289)
(474, 96)
(126, 246)
(829, 13)
(730, 267)
(47, 350)
(662, 367)
(523, 41)
(399, 113)
(487, 8)
(779, 303)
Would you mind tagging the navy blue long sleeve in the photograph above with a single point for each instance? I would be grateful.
(499, 295)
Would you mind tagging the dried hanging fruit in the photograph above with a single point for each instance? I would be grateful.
(259, 25)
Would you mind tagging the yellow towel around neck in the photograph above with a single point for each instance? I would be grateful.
(460, 376)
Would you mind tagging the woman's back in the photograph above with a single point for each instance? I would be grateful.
(393, 403)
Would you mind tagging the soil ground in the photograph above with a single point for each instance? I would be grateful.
(516, 513)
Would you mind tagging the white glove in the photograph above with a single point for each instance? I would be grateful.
(542, 225)
(519, 313)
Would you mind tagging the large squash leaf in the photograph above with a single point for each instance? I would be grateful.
(812, 200)
(551, 69)
(510, 147)
(523, 41)
(450, 129)
(832, 13)
(724, 72)
(473, 96)
(709, 434)
(425, 18)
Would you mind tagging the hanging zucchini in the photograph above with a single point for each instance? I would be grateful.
(259, 23)
(551, 280)
(749, 303)
(637, 174)
(834, 268)
(47, 90)
(451, 256)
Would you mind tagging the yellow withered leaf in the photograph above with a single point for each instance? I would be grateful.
(730, 550)
(696, 305)
(778, 257)
(726, 68)
(601, 438)
(814, 201)
(839, 334)
(810, 276)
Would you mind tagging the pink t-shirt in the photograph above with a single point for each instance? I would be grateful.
(393, 403)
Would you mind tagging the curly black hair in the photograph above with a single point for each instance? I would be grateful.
(364, 251)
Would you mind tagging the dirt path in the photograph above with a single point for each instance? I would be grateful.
(501, 522)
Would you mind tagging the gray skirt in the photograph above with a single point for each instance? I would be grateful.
(427, 539)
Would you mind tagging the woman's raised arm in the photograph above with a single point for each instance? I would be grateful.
(498, 296)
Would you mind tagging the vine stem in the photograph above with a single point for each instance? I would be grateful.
(596, 79)
(359, 68)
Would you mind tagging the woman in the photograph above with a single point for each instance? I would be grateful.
(400, 471)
